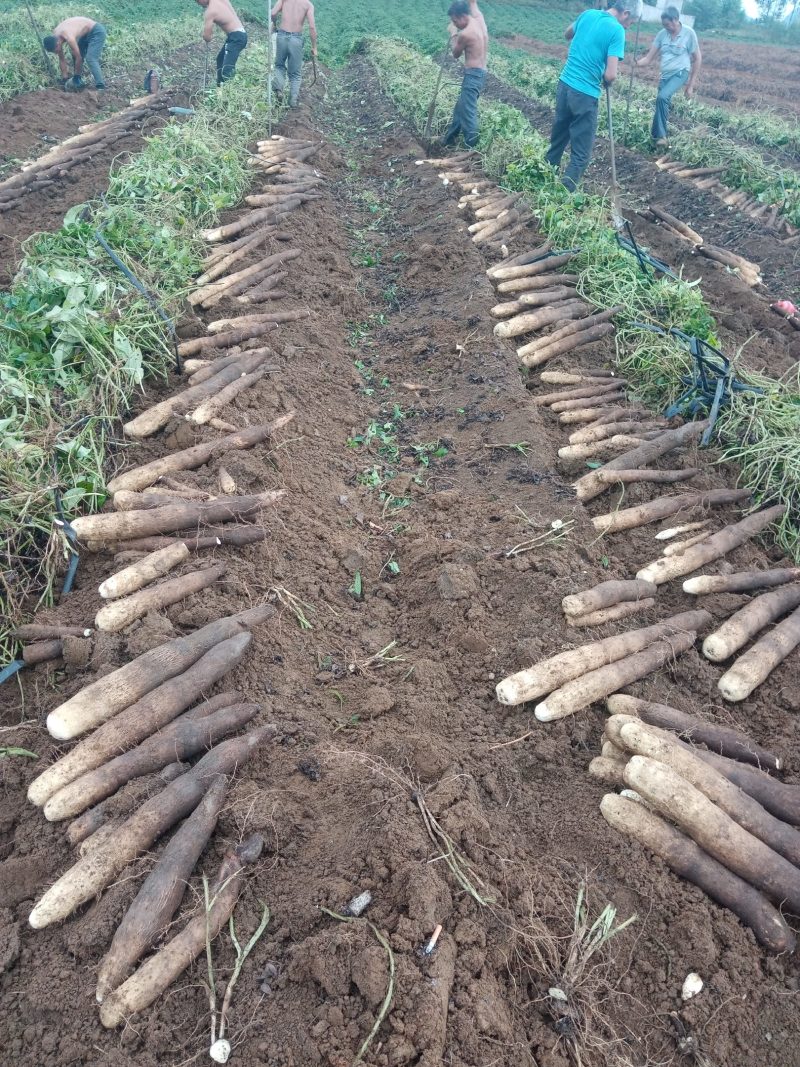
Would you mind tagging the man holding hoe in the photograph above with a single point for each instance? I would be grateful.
(289, 52)
(220, 13)
(472, 42)
(680, 65)
(85, 39)
(598, 44)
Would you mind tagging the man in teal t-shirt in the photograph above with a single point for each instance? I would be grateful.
(680, 64)
(598, 44)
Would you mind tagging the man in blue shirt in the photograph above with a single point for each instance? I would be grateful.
(598, 44)
(680, 64)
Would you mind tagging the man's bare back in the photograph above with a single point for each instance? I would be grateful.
(473, 41)
(72, 29)
(219, 13)
(294, 14)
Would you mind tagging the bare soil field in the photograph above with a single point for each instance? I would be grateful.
(384, 703)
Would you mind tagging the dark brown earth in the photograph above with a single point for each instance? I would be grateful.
(401, 334)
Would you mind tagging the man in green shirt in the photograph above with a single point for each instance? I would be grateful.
(598, 44)
(680, 64)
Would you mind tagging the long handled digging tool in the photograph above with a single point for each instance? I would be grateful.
(205, 67)
(432, 108)
(47, 58)
(616, 206)
(270, 75)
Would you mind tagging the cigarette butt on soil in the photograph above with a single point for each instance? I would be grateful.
(431, 945)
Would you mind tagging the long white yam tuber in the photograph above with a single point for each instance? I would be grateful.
(606, 594)
(612, 614)
(157, 974)
(154, 418)
(665, 506)
(161, 893)
(597, 684)
(587, 434)
(125, 525)
(643, 740)
(178, 741)
(689, 861)
(742, 582)
(215, 404)
(121, 613)
(724, 740)
(143, 572)
(554, 672)
(535, 320)
(713, 830)
(590, 486)
(113, 693)
(197, 455)
(756, 665)
(144, 717)
(744, 624)
(98, 869)
(714, 547)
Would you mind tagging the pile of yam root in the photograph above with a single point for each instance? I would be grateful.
(707, 179)
(134, 722)
(55, 164)
(150, 721)
(704, 798)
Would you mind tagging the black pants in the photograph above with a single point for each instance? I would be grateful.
(575, 124)
(235, 44)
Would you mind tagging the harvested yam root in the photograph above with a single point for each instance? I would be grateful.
(612, 614)
(713, 830)
(605, 595)
(121, 613)
(744, 624)
(193, 732)
(162, 891)
(106, 697)
(156, 975)
(714, 547)
(742, 582)
(723, 740)
(756, 665)
(550, 674)
(98, 869)
(598, 684)
(665, 506)
(144, 571)
(688, 860)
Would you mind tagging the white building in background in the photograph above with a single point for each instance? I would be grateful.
(652, 12)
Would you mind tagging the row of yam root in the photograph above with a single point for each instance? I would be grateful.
(149, 720)
(702, 796)
(707, 179)
(56, 164)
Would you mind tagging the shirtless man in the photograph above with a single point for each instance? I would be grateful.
(220, 13)
(85, 39)
(472, 42)
(289, 53)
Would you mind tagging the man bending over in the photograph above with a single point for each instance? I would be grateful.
(220, 13)
(85, 39)
(598, 44)
(289, 52)
(471, 42)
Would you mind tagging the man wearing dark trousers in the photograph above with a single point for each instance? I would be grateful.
(220, 13)
(597, 45)
(680, 64)
(472, 42)
(85, 40)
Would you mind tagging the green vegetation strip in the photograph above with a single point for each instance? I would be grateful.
(760, 433)
(76, 340)
(701, 146)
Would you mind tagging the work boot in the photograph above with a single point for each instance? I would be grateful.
(294, 104)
